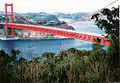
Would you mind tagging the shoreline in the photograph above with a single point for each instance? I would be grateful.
(44, 38)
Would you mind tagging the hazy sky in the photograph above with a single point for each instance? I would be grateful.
(23, 6)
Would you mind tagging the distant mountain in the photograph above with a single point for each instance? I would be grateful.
(74, 16)
(46, 19)
(42, 18)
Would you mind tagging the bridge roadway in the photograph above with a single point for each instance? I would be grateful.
(61, 32)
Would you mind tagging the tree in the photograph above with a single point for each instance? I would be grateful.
(110, 23)
(108, 20)
(72, 50)
(48, 55)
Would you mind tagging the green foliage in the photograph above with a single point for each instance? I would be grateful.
(72, 50)
(98, 51)
(110, 23)
(70, 66)
(8, 66)
(94, 79)
(48, 55)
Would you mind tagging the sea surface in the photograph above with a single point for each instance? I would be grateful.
(34, 48)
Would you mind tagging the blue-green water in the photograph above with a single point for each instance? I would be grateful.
(33, 48)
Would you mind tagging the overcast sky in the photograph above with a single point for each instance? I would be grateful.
(50, 6)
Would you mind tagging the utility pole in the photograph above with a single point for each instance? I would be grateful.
(62, 45)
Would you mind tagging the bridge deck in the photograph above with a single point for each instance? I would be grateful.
(62, 32)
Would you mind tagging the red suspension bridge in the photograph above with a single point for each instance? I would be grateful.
(50, 30)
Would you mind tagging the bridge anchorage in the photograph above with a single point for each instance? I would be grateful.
(50, 30)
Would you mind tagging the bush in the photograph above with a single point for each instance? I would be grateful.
(70, 66)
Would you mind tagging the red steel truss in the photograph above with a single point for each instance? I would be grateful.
(50, 30)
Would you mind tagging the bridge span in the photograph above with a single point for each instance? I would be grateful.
(51, 30)
(61, 32)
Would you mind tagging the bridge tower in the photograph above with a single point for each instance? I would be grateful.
(7, 14)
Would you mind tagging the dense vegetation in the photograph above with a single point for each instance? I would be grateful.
(110, 24)
(69, 66)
